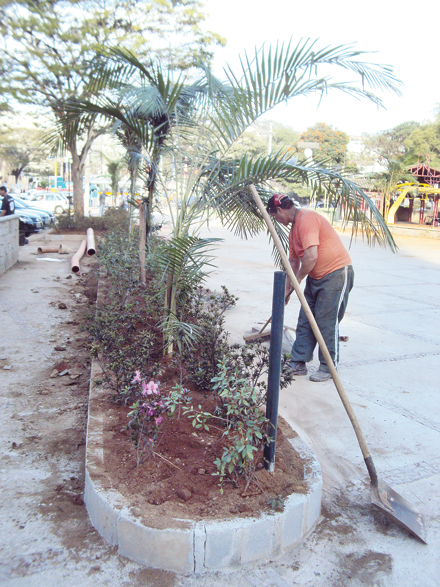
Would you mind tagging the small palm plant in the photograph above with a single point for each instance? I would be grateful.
(186, 133)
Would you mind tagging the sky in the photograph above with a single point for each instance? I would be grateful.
(401, 34)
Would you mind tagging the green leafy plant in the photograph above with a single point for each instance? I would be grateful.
(149, 413)
(124, 331)
(112, 219)
(146, 416)
(207, 310)
(245, 426)
(276, 503)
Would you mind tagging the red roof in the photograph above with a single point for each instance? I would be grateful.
(425, 174)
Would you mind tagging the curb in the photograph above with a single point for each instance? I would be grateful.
(187, 546)
(62, 237)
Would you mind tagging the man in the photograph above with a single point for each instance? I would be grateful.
(8, 205)
(315, 252)
(101, 203)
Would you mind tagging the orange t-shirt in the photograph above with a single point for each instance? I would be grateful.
(312, 229)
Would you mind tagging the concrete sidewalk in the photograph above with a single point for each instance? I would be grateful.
(390, 371)
(389, 368)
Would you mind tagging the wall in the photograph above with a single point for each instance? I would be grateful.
(8, 242)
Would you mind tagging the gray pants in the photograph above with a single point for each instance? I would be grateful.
(327, 298)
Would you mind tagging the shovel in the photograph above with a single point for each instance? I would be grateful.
(388, 501)
(261, 333)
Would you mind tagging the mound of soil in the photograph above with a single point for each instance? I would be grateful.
(180, 477)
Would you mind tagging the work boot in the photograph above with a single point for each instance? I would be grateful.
(320, 375)
(297, 367)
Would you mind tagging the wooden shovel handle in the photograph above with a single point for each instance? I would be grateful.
(316, 331)
(270, 319)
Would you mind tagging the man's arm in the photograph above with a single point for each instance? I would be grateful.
(302, 267)
(308, 261)
(295, 264)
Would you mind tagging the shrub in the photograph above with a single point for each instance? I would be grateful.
(245, 426)
(112, 219)
(148, 413)
(207, 310)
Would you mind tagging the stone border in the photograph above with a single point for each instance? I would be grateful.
(62, 237)
(187, 546)
(9, 241)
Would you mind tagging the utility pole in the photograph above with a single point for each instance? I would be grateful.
(308, 147)
(269, 147)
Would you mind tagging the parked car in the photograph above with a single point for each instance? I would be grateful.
(52, 201)
(321, 204)
(28, 225)
(29, 221)
(47, 217)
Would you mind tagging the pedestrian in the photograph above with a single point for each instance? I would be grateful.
(124, 204)
(315, 252)
(8, 204)
(101, 203)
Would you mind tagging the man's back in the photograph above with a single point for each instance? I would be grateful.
(8, 205)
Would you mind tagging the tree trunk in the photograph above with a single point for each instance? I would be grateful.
(133, 173)
(142, 240)
(77, 179)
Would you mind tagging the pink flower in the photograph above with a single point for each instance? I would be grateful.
(158, 420)
(153, 387)
(137, 377)
(145, 389)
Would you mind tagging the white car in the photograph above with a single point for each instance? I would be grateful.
(52, 201)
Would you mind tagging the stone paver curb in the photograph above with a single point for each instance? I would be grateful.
(189, 546)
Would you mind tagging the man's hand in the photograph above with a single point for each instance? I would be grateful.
(289, 290)
(295, 264)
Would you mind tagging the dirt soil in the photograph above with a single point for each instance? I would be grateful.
(179, 477)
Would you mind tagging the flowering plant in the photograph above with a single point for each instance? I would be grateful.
(146, 416)
(148, 411)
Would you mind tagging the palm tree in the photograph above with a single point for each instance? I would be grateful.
(185, 134)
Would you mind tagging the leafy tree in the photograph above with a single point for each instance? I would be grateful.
(391, 145)
(332, 143)
(266, 136)
(51, 50)
(424, 144)
(20, 148)
(392, 150)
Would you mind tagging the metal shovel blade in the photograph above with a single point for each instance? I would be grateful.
(398, 509)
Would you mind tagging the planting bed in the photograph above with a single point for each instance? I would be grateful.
(169, 512)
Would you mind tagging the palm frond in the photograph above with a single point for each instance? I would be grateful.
(283, 72)
(177, 332)
(226, 191)
(186, 259)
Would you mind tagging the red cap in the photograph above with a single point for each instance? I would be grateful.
(277, 198)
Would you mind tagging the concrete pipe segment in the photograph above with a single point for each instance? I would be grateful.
(49, 249)
(91, 250)
(74, 263)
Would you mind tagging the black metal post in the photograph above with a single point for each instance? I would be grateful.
(273, 381)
